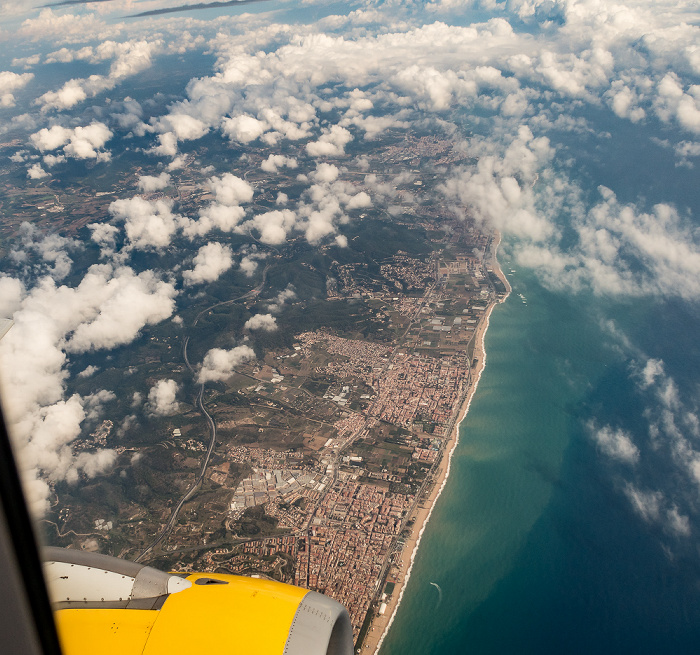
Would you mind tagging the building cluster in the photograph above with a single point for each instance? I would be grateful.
(266, 458)
(291, 515)
(413, 149)
(418, 389)
(365, 353)
(406, 272)
(349, 541)
(349, 425)
(96, 439)
(265, 485)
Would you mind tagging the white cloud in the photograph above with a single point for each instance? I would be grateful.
(53, 160)
(36, 172)
(52, 248)
(622, 250)
(105, 235)
(325, 173)
(359, 201)
(264, 322)
(274, 162)
(210, 262)
(273, 226)
(283, 297)
(677, 523)
(88, 371)
(64, 26)
(107, 308)
(219, 364)
(653, 369)
(674, 102)
(243, 128)
(11, 293)
(214, 217)
(51, 138)
(130, 58)
(167, 145)
(616, 444)
(149, 224)
(120, 304)
(82, 142)
(653, 507)
(331, 143)
(230, 190)
(10, 82)
(151, 183)
(250, 259)
(184, 126)
(646, 503)
(162, 398)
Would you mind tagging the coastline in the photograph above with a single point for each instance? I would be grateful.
(380, 625)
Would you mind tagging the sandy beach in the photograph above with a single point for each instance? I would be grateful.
(400, 572)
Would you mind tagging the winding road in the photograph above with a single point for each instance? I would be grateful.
(167, 529)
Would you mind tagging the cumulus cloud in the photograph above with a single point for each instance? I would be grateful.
(250, 259)
(210, 262)
(325, 173)
(219, 364)
(107, 308)
(88, 371)
(273, 226)
(51, 248)
(654, 507)
(283, 297)
(264, 322)
(230, 190)
(162, 398)
(105, 235)
(36, 172)
(10, 82)
(129, 58)
(216, 216)
(120, 304)
(151, 183)
(613, 240)
(149, 224)
(184, 127)
(653, 369)
(65, 26)
(82, 142)
(676, 102)
(320, 210)
(498, 190)
(331, 143)
(243, 128)
(167, 145)
(274, 162)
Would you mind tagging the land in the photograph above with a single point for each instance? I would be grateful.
(317, 463)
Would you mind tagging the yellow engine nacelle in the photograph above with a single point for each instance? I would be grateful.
(110, 606)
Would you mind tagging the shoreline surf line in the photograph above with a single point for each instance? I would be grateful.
(480, 352)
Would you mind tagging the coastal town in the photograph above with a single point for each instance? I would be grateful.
(317, 461)
(350, 506)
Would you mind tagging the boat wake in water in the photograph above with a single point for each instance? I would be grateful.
(437, 586)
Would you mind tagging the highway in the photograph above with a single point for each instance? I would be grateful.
(210, 423)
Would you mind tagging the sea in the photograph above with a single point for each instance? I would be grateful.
(535, 545)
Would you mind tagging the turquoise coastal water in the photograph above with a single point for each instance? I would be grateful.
(533, 542)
